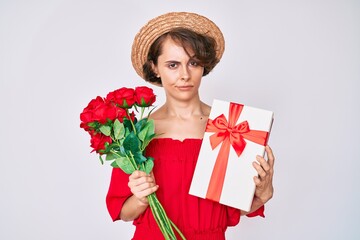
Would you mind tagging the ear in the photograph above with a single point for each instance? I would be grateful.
(155, 69)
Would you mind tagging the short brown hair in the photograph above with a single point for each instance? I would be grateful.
(203, 46)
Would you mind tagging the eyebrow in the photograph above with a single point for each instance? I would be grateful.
(172, 61)
(175, 61)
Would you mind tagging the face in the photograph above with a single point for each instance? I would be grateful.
(180, 73)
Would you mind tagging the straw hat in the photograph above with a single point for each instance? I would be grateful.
(163, 24)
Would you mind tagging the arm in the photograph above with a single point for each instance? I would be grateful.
(141, 185)
(264, 187)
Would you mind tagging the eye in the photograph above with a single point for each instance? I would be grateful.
(193, 63)
(172, 65)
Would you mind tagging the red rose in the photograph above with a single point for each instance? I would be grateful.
(99, 111)
(87, 116)
(121, 114)
(131, 116)
(105, 112)
(144, 96)
(123, 97)
(98, 141)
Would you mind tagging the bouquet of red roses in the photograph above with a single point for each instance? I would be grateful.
(116, 133)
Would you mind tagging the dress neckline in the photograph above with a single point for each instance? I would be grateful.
(178, 140)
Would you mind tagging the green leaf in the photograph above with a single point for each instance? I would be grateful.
(101, 160)
(151, 111)
(147, 130)
(141, 167)
(92, 124)
(122, 151)
(125, 165)
(150, 124)
(128, 125)
(148, 140)
(142, 134)
(140, 124)
(131, 143)
(110, 156)
(114, 164)
(106, 130)
(127, 132)
(119, 129)
(139, 157)
(107, 148)
(149, 164)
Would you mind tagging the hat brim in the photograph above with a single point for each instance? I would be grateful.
(166, 22)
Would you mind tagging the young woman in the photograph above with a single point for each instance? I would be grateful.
(175, 51)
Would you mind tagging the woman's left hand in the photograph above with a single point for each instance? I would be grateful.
(264, 181)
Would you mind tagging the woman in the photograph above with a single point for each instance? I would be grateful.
(175, 51)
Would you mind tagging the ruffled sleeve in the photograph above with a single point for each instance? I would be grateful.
(118, 193)
(233, 216)
(259, 212)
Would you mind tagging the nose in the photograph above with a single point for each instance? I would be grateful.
(185, 73)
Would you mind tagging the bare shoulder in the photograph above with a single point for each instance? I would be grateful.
(158, 114)
(161, 121)
(206, 109)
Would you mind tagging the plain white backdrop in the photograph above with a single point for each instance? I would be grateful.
(300, 59)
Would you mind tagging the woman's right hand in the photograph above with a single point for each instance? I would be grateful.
(142, 185)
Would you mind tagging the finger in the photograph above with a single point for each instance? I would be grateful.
(263, 163)
(137, 174)
(259, 170)
(257, 181)
(146, 192)
(138, 177)
(270, 156)
(141, 181)
(135, 186)
(144, 186)
(152, 175)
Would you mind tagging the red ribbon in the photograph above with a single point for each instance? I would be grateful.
(229, 134)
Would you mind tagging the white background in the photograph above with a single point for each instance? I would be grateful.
(300, 59)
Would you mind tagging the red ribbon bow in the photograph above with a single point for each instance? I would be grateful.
(229, 134)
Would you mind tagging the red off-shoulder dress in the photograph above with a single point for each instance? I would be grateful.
(197, 218)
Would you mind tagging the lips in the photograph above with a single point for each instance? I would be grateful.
(184, 87)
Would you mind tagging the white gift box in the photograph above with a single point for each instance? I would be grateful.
(224, 173)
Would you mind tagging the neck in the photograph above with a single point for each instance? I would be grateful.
(184, 109)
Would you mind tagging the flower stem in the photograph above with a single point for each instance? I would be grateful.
(178, 230)
(155, 212)
(132, 123)
(165, 219)
(132, 161)
(164, 223)
(142, 112)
